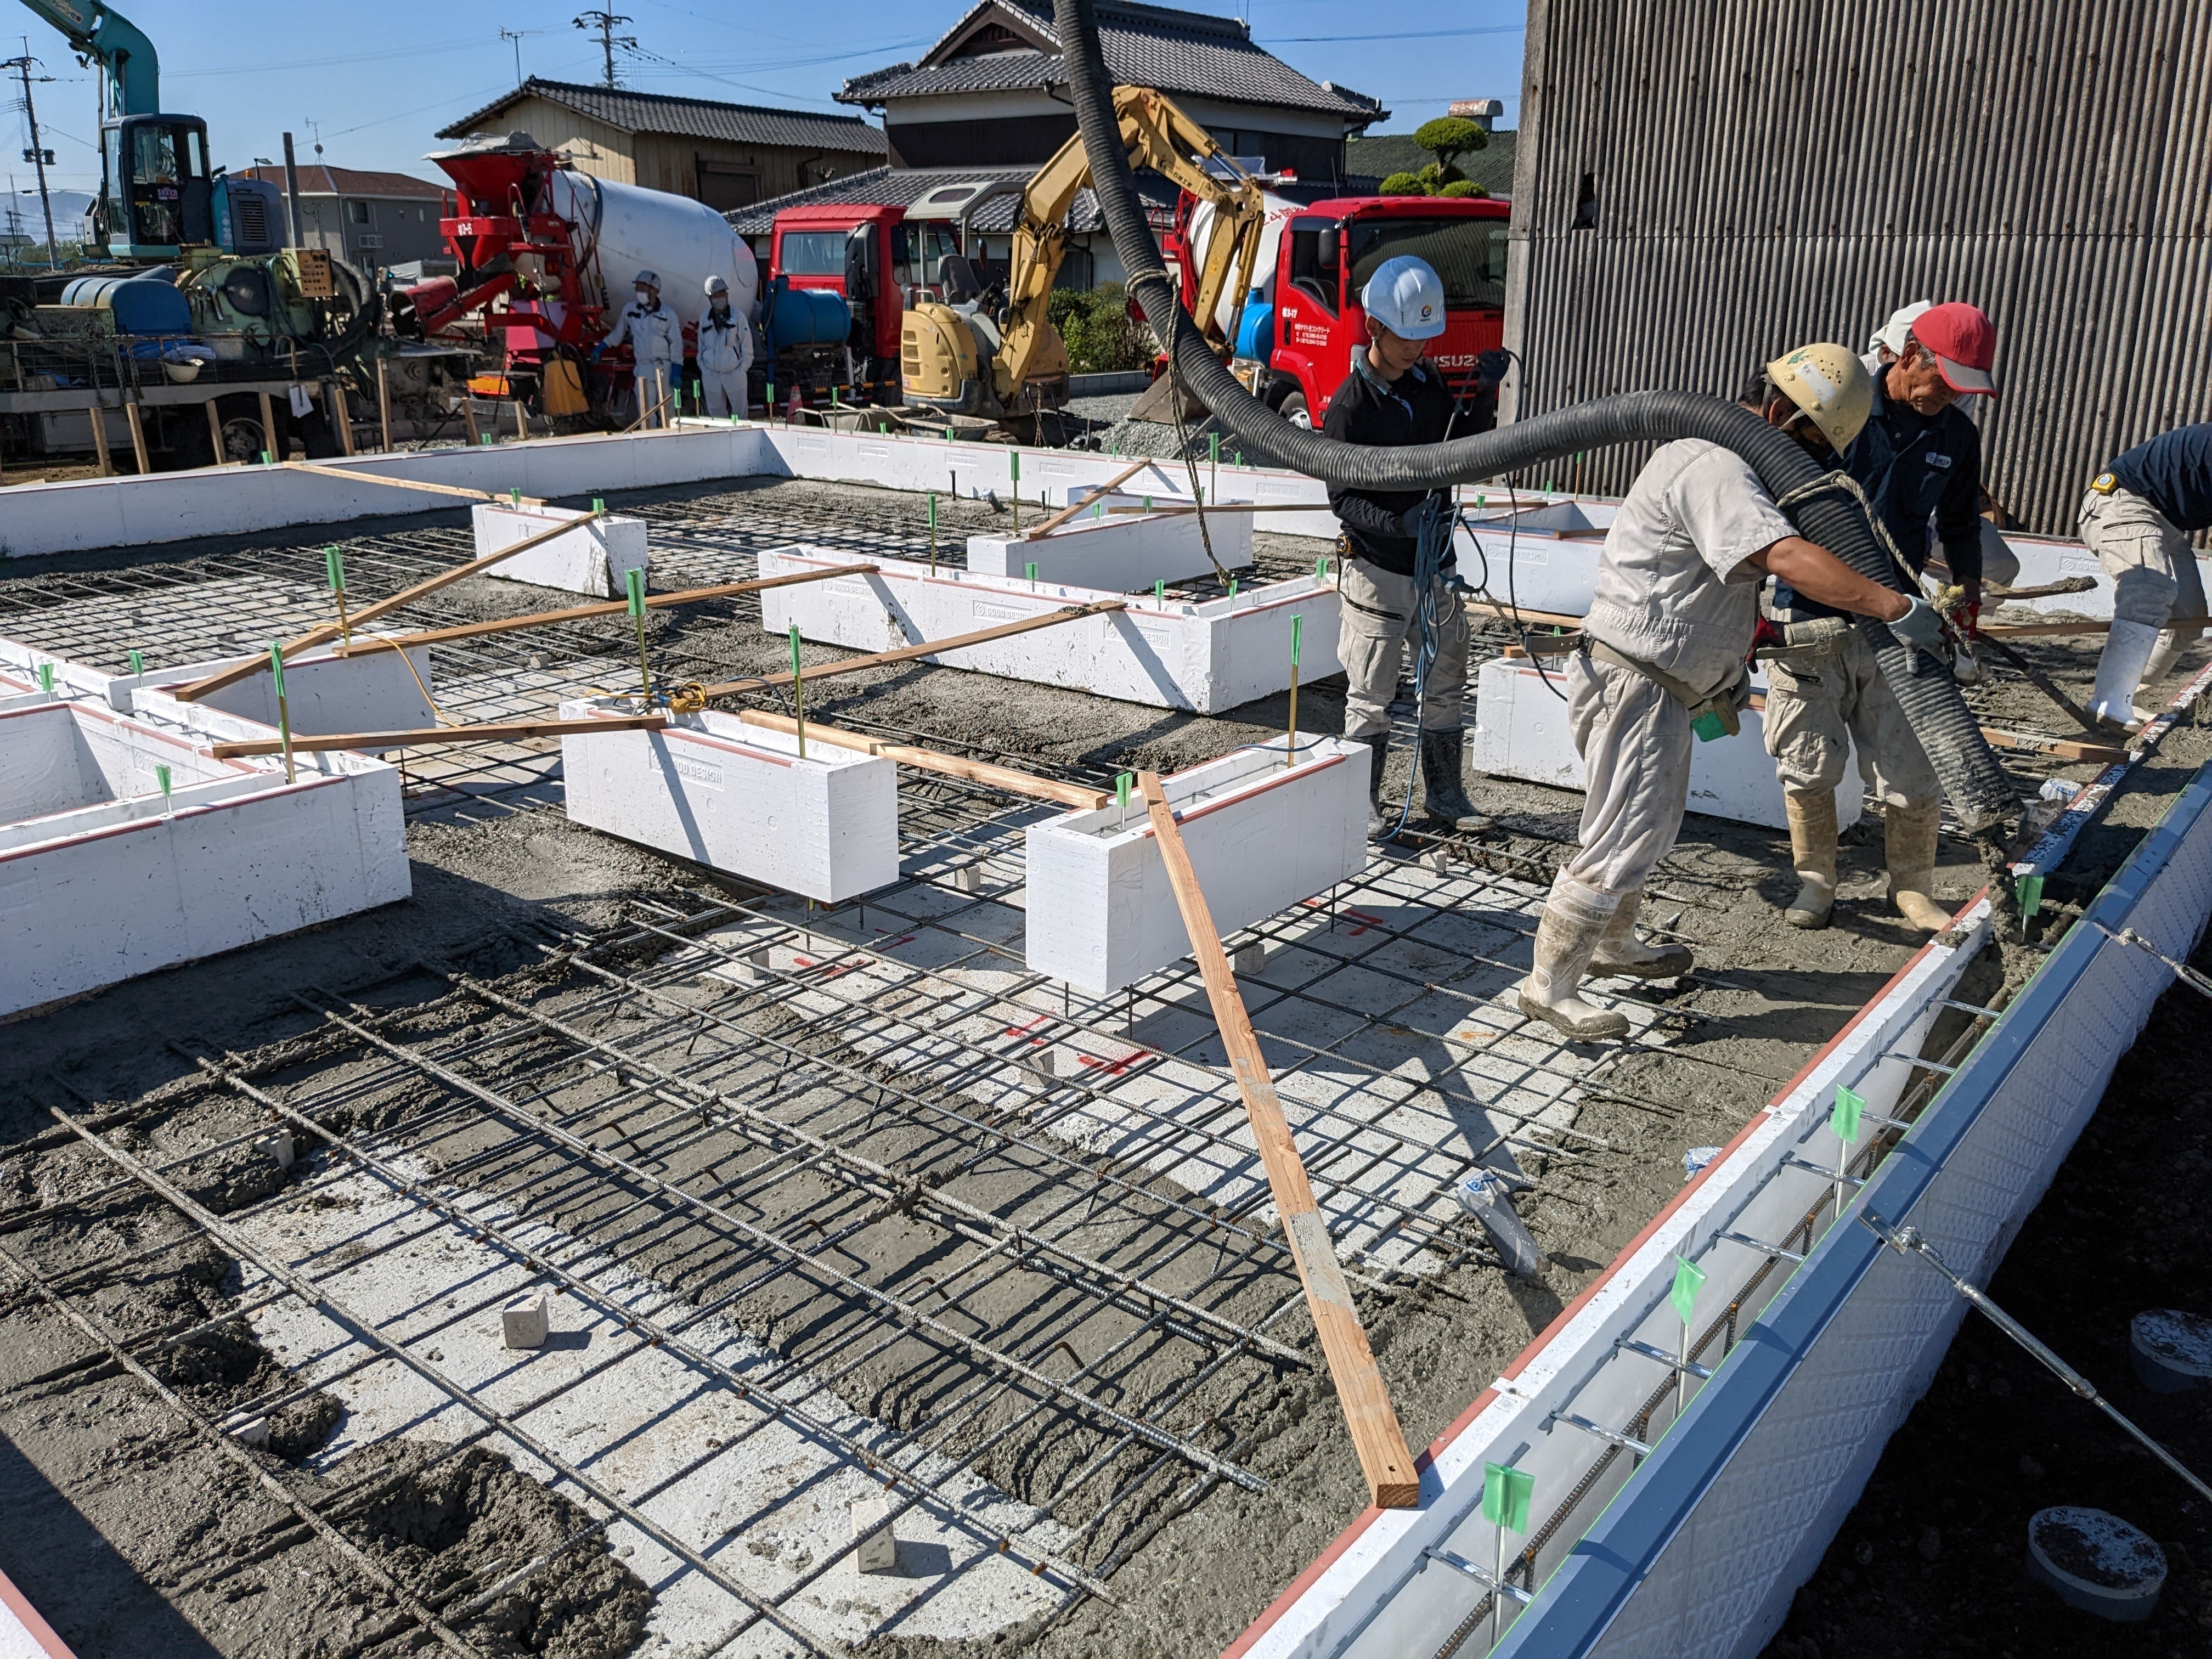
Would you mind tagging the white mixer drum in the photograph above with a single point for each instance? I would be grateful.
(621, 230)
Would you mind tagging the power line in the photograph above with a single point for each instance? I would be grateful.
(605, 23)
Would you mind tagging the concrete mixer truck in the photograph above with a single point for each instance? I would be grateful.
(547, 255)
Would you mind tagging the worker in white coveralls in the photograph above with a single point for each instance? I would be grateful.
(656, 344)
(725, 352)
(1663, 665)
(2138, 518)
(1919, 460)
(1394, 397)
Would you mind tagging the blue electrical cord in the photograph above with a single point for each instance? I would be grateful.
(1431, 548)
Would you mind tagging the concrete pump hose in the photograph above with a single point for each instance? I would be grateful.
(1980, 793)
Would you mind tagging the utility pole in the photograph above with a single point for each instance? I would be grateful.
(35, 156)
(603, 24)
(292, 193)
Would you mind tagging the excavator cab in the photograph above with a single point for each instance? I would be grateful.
(156, 197)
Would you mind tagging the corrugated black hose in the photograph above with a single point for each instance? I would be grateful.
(1980, 794)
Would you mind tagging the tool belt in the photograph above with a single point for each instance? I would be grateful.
(1713, 715)
(1814, 630)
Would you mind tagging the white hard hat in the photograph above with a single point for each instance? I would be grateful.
(1405, 296)
(716, 285)
(1892, 332)
(648, 279)
(1830, 386)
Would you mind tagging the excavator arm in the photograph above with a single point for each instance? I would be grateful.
(106, 38)
(1157, 135)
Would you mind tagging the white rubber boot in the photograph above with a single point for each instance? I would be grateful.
(1909, 846)
(1812, 852)
(2120, 670)
(2167, 651)
(1620, 951)
(1575, 919)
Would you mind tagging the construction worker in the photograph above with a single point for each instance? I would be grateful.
(1392, 396)
(2137, 518)
(1917, 455)
(1662, 663)
(656, 344)
(725, 352)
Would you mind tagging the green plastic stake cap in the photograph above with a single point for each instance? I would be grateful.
(161, 777)
(515, 490)
(1030, 567)
(1121, 785)
(1844, 1120)
(1159, 589)
(1505, 1496)
(47, 677)
(794, 647)
(276, 663)
(334, 568)
(1320, 566)
(598, 505)
(1297, 632)
(137, 661)
(2028, 890)
(932, 509)
(1689, 1278)
(1014, 459)
(633, 579)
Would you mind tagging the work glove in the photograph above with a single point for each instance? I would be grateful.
(1921, 625)
(1490, 367)
(1414, 523)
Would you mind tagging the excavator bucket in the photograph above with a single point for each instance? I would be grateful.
(1157, 402)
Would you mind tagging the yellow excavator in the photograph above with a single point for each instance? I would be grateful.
(954, 354)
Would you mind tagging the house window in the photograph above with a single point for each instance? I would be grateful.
(357, 213)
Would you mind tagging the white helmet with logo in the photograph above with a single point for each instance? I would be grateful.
(1405, 296)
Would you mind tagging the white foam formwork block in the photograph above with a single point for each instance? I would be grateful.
(1121, 554)
(1523, 733)
(1262, 836)
(875, 1549)
(524, 1322)
(590, 560)
(103, 878)
(1208, 656)
(740, 798)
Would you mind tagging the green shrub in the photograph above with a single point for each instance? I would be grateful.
(1463, 187)
(1100, 334)
(1401, 184)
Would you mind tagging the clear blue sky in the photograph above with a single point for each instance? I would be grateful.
(381, 77)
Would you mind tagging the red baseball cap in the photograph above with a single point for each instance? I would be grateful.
(1964, 344)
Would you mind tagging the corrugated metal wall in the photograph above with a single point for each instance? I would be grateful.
(1763, 172)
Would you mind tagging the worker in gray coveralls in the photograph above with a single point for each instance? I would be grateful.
(1669, 628)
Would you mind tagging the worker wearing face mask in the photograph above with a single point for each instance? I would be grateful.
(1663, 665)
(725, 352)
(1395, 396)
(656, 344)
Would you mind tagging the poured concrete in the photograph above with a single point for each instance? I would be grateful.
(102, 880)
(1522, 732)
(1122, 553)
(740, 798)
(592, 559)
(1262, 836)
(1208, 656)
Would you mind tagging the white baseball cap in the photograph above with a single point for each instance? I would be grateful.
(1405, 296)
(1891, 333)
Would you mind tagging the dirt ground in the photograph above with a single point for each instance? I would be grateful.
(150, 1540)
(1931, 1564)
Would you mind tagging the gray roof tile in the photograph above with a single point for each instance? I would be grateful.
(1184, 51)
(688, 118)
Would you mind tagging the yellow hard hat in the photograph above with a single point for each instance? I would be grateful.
(1831, 384)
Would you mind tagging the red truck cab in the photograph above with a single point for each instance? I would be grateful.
(1330, 247)
(852, 249)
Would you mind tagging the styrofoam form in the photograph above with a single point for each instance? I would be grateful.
(1373, 1599)
(1261, 836)
(57, 757)
(323, 692)
(1521, 732)
(125, 888)
(1207, 657)
(1121, 555)
(632, 1426)
(1132, 1113)
(594, 559)
(167, 507)
(739, 798)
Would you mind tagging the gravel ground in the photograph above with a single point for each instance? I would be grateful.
(142, 1507)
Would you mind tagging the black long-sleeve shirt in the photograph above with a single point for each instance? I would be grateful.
(1414, 408)
(1912, 466)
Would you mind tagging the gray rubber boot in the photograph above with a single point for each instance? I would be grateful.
(1575, 918)
(1620, 951)
(1441, 759)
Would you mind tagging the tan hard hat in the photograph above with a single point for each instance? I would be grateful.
(1831, 384)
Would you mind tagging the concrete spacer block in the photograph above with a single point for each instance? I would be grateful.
(591, 561)
(276, 1146)
(1262, 836)
(1249, 958)
(969, 879)
(878, 1550)
(523, 1322)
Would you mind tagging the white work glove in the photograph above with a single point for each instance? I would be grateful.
(1920, 625)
